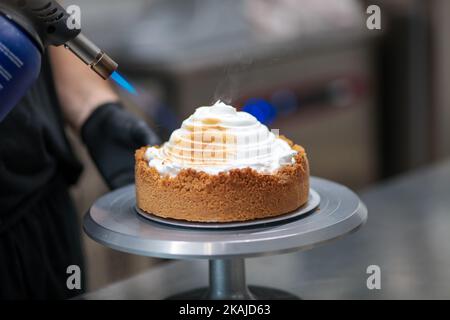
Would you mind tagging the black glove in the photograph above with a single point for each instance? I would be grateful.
(112, 135)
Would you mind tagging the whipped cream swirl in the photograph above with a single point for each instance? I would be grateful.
(217, 139)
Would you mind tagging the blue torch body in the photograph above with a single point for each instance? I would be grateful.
(26, 29)
(20, 64)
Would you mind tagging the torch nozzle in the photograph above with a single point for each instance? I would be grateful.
(92, 55)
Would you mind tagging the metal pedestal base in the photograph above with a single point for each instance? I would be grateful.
(113, 221)
(227, 282)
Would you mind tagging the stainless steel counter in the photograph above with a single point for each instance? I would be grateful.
(407, 236)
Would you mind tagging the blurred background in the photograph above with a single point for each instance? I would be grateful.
(366, 104)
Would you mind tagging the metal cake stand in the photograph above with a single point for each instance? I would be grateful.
(114, 222)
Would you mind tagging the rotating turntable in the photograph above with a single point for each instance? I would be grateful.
(114, 222)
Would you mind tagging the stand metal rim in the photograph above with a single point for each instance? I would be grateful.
(341, 212)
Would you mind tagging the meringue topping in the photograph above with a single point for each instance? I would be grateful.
(217, 139)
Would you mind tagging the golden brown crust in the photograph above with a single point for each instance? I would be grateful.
(237, 195)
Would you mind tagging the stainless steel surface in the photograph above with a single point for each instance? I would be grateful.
(168, 280)
(308, 208)
(406, 235)
(227, 281)
(113, 222)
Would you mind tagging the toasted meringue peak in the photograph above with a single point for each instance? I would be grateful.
(219, 138)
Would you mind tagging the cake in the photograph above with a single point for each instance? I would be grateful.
(222, 165)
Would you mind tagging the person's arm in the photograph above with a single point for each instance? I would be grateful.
(79, 89)
(92, 108)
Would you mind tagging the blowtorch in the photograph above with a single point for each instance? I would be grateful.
(27, 27)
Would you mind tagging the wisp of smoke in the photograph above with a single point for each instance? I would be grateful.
(228, 89)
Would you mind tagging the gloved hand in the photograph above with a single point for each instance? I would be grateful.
(112, 135)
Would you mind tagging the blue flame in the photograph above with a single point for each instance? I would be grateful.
(123, 83)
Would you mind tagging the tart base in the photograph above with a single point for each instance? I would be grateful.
(236, 195)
